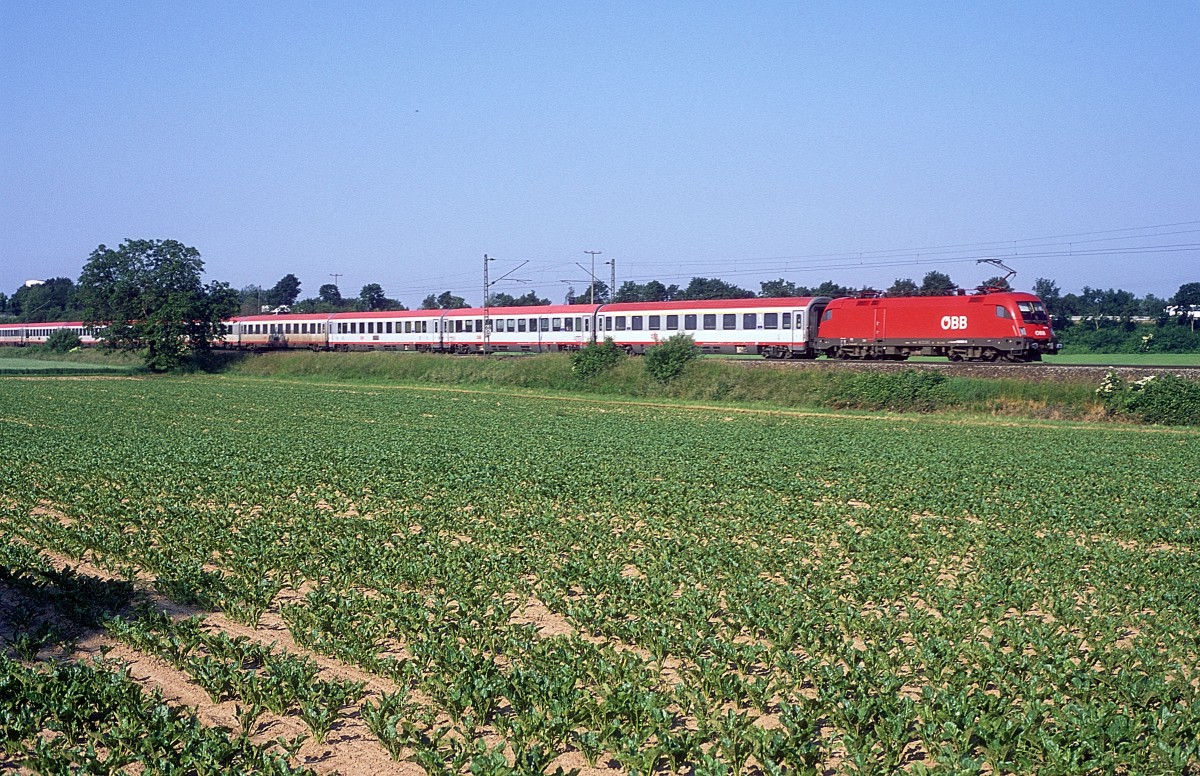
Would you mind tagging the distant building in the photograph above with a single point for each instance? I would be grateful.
(32, 283)
(1185, 310)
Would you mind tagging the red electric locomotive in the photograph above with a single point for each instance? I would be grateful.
(1003, 326)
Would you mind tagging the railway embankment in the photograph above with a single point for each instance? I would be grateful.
(1043, 392)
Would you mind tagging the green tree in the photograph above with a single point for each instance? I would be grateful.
(600, 288)
(629, 292)
(371, 298)
(904, 287)
(443, 301)
(714, 288)
(666, 361)
(835, 290)
(251, 299)
(330, 295)
(937, 284)
(285, 292)
(62, 340)
(531, 299)
(52, 300)
(149, 294)
(781, 288)
(1188, 294)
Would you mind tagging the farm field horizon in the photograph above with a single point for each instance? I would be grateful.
(378, 578)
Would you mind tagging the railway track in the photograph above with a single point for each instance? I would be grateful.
(1037, 372)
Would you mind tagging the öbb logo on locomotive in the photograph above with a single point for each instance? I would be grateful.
(1004, 326)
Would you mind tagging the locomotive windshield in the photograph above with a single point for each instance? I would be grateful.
(1033, 312)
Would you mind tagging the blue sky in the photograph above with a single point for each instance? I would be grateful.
(398, 142)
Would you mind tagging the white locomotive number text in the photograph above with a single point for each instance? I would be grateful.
(954, 322)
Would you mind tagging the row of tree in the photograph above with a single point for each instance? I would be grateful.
(58, 298)
(149, 294)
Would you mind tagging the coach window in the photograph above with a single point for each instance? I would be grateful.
(710, 321)
(750, 321)
(729, 321)
(545, 324)
(568, 324)
(511, 324)
(787, 321)
(770, 320)
(689, 322)
(556, 324)
(578, 324)
(636, 322)
(520, 324)
(620, 321)
(533, 324)
(672, 322)
(362, 328)
(654, 323)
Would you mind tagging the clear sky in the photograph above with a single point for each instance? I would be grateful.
(398, 142)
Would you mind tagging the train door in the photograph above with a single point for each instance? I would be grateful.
(799, 330)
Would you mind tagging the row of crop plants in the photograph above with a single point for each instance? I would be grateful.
(768, 591)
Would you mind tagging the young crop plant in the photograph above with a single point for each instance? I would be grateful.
(669, 588)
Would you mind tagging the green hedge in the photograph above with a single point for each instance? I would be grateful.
(1165, 399)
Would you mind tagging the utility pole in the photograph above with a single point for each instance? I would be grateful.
(592, 292)
(335, 276)
(487, 325)
(612, 289)
(487, 284)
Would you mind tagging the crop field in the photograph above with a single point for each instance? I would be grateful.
(233, 574)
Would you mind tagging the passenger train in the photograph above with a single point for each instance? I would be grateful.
(1008, 326)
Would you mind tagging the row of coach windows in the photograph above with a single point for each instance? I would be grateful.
(707, 321)
(383, 327)
(76, 330)
(283, 328)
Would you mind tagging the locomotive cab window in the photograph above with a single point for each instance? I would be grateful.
(1002, 312)
(1033, 312)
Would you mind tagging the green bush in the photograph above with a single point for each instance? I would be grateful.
(666, 361)
(594, 359)
(1168, 337)
(62, 340)
(1165, 399)
(909, 390)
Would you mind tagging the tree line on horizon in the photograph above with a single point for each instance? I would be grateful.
(61, 299)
